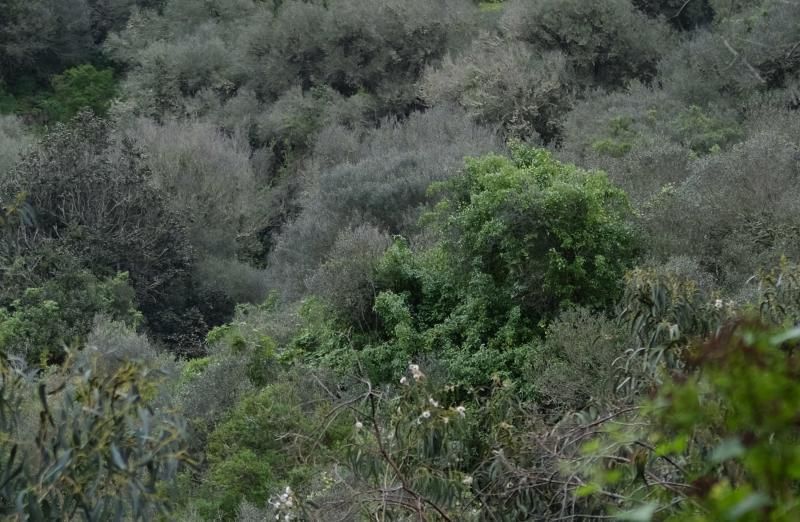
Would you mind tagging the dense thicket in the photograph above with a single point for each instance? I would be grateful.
(413, 260)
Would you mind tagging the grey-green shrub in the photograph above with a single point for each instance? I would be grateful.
(346, 280)
(644, 137)
(737, 212)
(607, 42)
(505, 84)
(574, 367)
(206, 175)
(351, 46)
(379, 47)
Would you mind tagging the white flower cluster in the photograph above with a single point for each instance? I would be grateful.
(284, 505)
(416, 373)
(719, 304)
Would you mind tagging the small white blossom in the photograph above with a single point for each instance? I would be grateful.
(674, 331)
(359, 425)
(432, 402)
(403, 380)
(426, 414)
(467, 480)
(718, 304)
(461, 411)
(416, 373)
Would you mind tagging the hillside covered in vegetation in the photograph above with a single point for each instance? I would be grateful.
(400, 260)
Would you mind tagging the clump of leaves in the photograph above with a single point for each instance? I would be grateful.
(100, 451)
(718, 442)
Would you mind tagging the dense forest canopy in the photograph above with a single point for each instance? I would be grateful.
(398, 260)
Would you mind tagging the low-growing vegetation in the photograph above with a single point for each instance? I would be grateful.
(345, 260)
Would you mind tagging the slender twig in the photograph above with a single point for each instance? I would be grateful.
(666, 458)
(677, 14)
(738, 56)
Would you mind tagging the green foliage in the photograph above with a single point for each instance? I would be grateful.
(80, 88)
(521, 237)
(665, 311)
(704, 134)
(97, 449)
(40, 322)
(548, 233)
(619, 142)
(411, 441)
(779, 294)
(270, 435)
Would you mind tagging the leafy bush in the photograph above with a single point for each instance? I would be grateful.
(546, 232)
(269, 436)
(78, 88)
(519, 238)
(42, 320)
(91, 195)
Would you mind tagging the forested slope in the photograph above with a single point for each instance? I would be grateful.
(399, 260)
